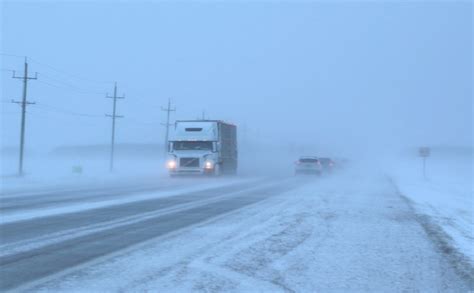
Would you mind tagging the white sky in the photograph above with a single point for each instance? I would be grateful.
(334, 74)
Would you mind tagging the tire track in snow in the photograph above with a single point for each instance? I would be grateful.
(293, 232)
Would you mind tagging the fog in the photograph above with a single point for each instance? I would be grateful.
(342, 78)
(327, 146)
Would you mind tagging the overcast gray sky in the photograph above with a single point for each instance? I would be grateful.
(333, 74)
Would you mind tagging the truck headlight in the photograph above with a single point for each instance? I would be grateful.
(208, 165)
(171, 164)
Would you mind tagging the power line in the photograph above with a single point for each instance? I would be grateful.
(69, 112)
(73, 88)
(12, 55)
(48, 115)
(73, 75)
(141, 122)
(49, 108)
(60, 84)
(64, 72)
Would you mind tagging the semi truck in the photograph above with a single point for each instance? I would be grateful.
(204, 147)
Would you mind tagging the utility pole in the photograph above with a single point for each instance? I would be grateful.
(23, 104)
(167, 124)
(113, 116)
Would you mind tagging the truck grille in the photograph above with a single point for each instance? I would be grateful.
(189, 162)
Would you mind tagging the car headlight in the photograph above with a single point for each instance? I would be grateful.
(208, 165)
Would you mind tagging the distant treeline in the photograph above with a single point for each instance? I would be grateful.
(141, 150)
(443, 151)
(98, 150)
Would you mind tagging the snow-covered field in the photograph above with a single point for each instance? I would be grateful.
(445, 196)
(45, 171)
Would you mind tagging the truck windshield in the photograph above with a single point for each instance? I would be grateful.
(192, 145)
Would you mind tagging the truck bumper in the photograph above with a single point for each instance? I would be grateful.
(190, 171)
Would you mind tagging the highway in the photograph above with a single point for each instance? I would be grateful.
(50, 234)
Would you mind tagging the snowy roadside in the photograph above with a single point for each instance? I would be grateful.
(48, 172)
(445, 196)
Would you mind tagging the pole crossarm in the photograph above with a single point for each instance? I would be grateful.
(112, 97)
(24, 77)
(168, 109)
(114, 116)
(21, 102)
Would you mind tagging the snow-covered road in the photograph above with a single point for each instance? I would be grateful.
(346, 232)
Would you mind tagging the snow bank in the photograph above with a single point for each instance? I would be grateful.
(445, 195)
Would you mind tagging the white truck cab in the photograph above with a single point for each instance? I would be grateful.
(202, 147)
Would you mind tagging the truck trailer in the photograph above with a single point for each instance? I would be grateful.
(202, 147)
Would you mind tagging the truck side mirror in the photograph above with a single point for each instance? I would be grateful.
(214, 147)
